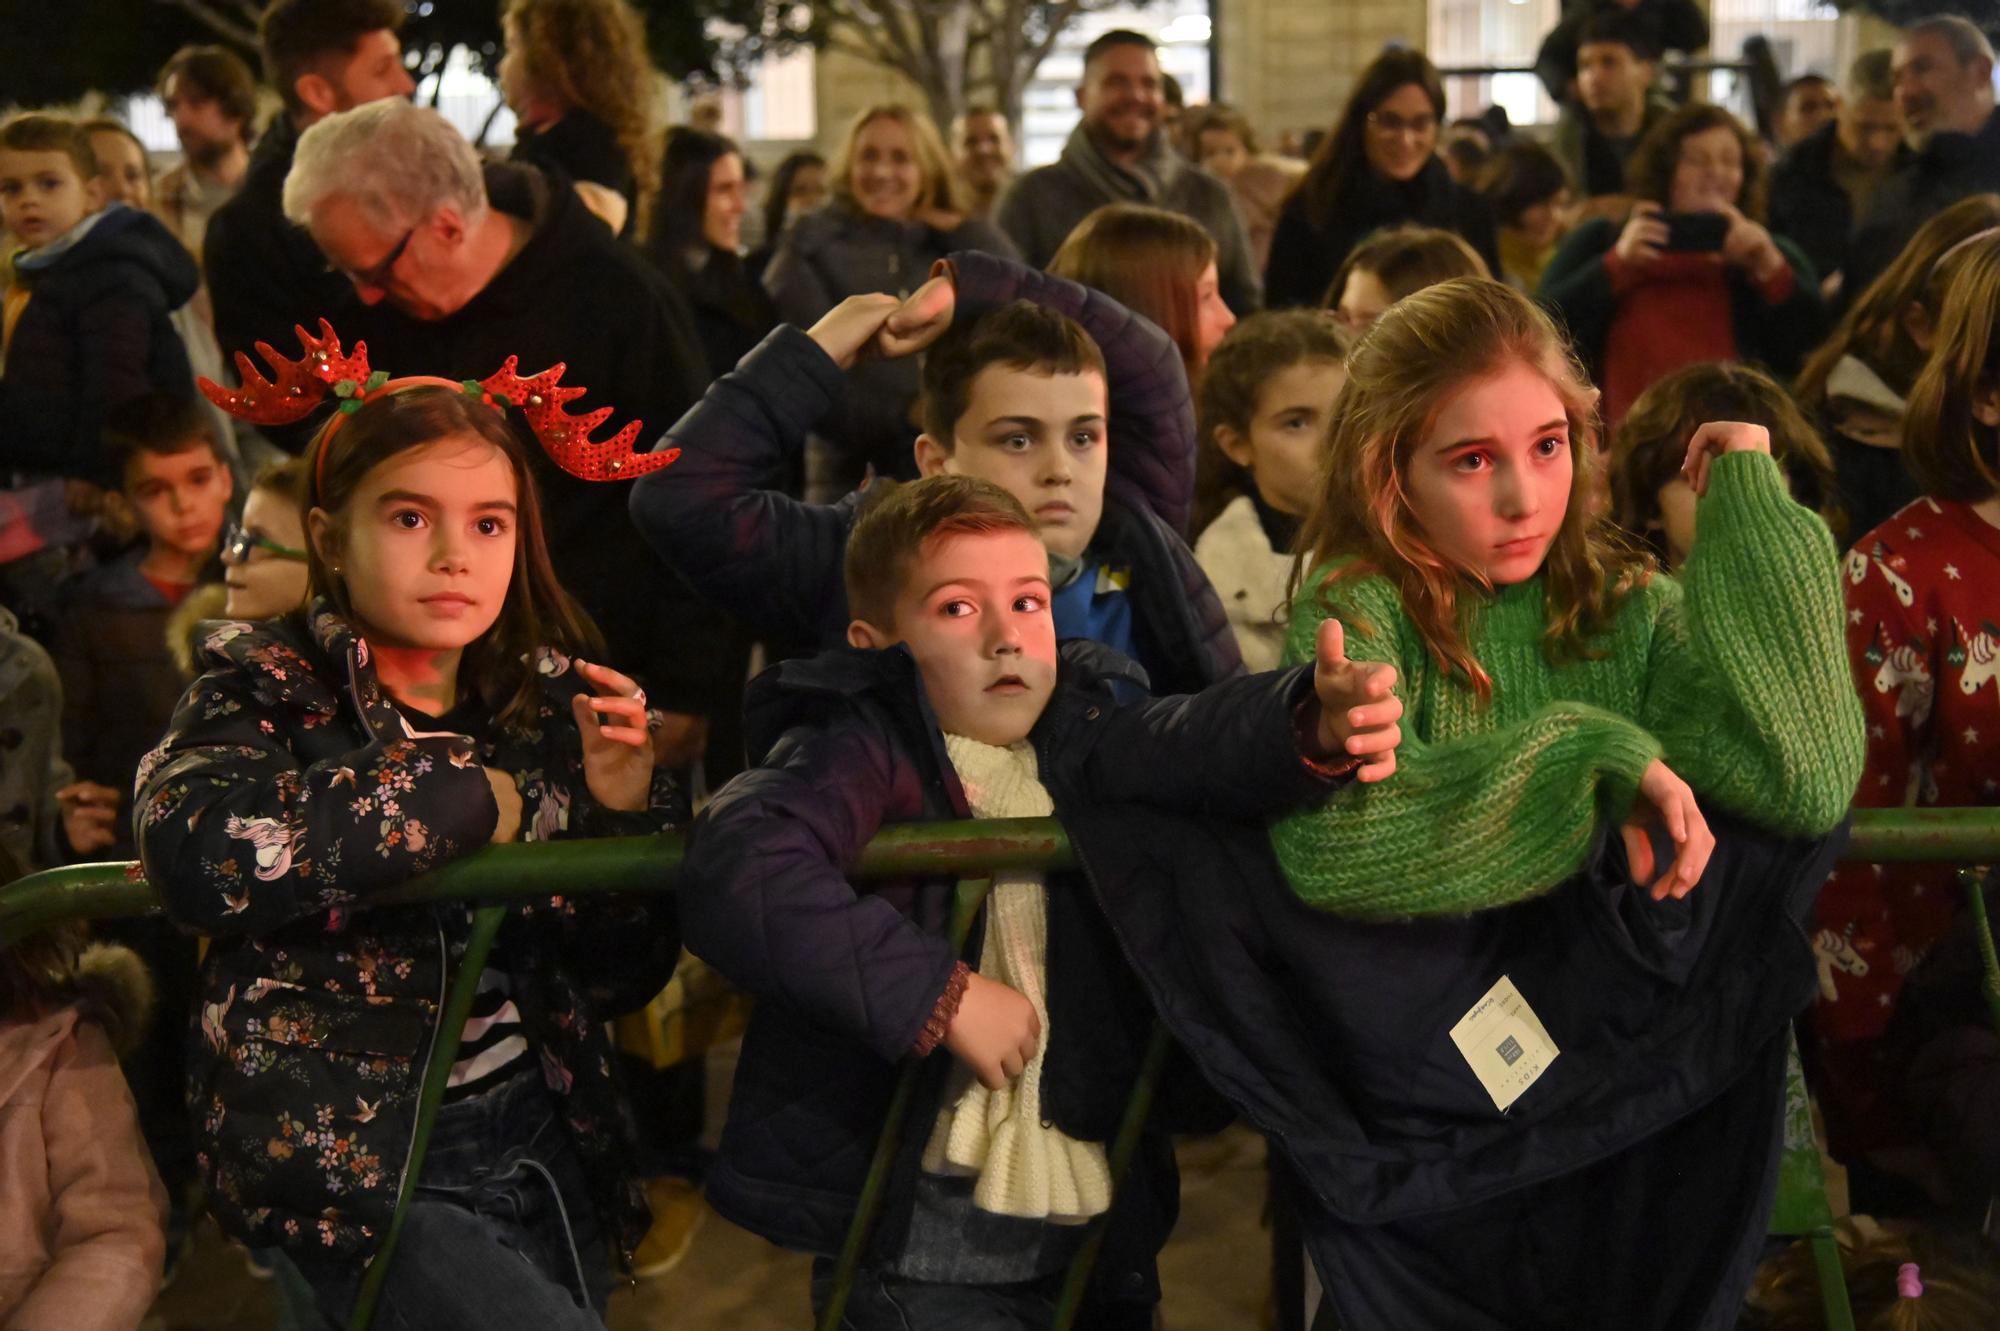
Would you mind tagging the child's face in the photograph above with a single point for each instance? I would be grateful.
(974, 612)
(265, 583)
(1676, 499)
(1287, 437)
(181, 498)
(42, 195)
(1490, 482)
(425, 544)
(1216, 318)
(1041, 438)
(121, 169)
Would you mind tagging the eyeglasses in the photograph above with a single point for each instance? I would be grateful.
(239, 541)
(1388, 122)
(377, 276)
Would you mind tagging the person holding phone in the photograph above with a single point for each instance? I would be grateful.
(1691, 274)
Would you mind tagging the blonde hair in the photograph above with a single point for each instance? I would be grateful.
(1959, 1274)
(1951, 454)
(591, 55)
(941, 188)
(1148, 260)
(1399, 376)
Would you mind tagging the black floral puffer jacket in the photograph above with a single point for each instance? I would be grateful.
(287, 792)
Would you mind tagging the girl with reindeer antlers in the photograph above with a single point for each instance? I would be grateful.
(438, 692)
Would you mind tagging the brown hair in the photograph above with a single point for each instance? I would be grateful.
(1020, 336)
(40, 132)
(159, 423)
(1340, 159)
(296, 35)
(111, 125)
(592, 55)
(1398, 377)
(1253, 351)
(1873, 330)
(537, 613)
(1522, 175)
(1148, 260)
(1407, 258)
(1959, 1272)
(1650, 443)
(1952, 454)
(1650, 172)
(899, 524)
(287, 480)
(941, 188)
(1222, 116)
(218, 74)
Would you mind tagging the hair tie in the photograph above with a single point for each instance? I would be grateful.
(1908, 1285)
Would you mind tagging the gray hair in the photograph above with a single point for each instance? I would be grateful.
(397, 161)
(1962, 35)
(1871, 78)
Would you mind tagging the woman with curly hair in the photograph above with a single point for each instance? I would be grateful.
(576, 75)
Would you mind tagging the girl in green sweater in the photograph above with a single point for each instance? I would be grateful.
(1551, 675)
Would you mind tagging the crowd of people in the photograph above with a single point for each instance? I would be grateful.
(1452, 587)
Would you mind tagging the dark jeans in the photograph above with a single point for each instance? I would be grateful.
(501, 1231)
(888, 1303)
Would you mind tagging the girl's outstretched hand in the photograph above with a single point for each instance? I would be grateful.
(1358, 708)
(617, 751)
(1666, 800)
(1714, 439)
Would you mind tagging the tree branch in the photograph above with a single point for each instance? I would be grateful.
(240, 31)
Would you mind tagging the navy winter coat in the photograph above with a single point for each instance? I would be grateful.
(720, 518)
(847, 979)
(96, 332)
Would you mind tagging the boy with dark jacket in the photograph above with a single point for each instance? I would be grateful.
(1012, 395)
(954, 705)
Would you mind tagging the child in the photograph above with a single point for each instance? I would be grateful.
(1391, 264)
(1018, 397)
(87, 315)
(1650, 499)
(1266, 407)
(429, 700)
(1497, 1111)
(1925, 654)
(264, 556)
(1155, 263)
(1533, 204)
(80, 1205)
(1899, 1277)
(954, 705)
(119, 682)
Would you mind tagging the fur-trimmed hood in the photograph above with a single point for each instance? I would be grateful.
(109, 986)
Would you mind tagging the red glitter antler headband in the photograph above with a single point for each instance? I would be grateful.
(300, 385)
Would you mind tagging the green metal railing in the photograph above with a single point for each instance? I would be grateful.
(498, 875)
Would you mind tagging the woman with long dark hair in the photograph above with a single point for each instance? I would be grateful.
(1378, 167)
(696, 239)
(797, 187)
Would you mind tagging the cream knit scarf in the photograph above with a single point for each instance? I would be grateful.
(1026, 1168)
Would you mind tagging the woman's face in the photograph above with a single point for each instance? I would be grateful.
(808, 191)
(1401, 133)
(1490, 482)
(265, 583)
(1214, 317)
(121, 169)
(887, 179)
(1708, 172)
(722, 214)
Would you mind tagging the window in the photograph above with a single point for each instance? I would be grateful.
(1474, 33)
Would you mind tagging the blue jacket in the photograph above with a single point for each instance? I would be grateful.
(719, 518)
(847, 979)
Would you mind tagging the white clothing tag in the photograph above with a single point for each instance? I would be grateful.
(1503, 1040)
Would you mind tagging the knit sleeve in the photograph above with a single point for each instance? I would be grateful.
(1464, 824)
(1748, 686)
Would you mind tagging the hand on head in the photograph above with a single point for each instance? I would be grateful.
(1358, 709)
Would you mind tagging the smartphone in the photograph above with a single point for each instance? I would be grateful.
(1700, 232)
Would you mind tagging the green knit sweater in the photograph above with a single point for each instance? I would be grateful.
(1735, 673)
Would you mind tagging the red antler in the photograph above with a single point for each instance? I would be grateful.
(300, 384)
(566, 438)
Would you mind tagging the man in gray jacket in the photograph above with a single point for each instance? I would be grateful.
(1119, 154)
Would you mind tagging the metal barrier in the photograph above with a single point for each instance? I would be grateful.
(497, 875)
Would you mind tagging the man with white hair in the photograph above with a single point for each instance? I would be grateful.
(1943, 70)
(459, 265)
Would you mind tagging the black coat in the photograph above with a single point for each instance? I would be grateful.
(582, 147)
(96, 331)
(1304, 257)
(1950, 167)
(848, 979)
(1808, 206)
(721, 518)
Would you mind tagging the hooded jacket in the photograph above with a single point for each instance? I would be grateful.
(81, 1209)
(1305, 256)
(719, 517)
(287, 792)
(1044, 205)
(96, 331)
(848, 980)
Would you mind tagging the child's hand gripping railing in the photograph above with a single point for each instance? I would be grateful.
(500, 874)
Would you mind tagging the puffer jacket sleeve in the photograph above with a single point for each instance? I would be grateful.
(716, 517)
(765, 897)
(1152, 429)
(238, 836)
